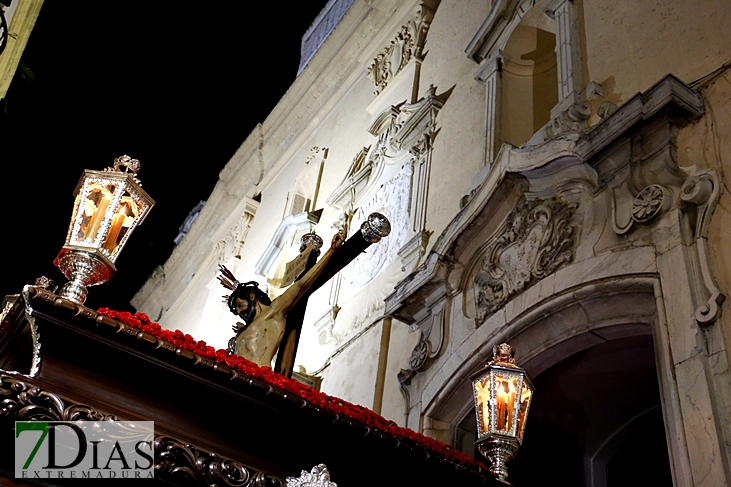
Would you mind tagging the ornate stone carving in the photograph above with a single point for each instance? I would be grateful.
(536, 239)
(419, 354)
(647, 203)
(431, 323)
(699, 195)
(230, 246)
(317, 477)
(404, 134)
(406, 45)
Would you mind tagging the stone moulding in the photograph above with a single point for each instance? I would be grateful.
(536, 239)
(401, 133)
(22, 400)
(408, 44)
(288, 226)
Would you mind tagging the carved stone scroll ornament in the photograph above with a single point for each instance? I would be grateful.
(431, 342)
(407, 44)
(21, 400)
(537, 238)
(699, 195)
(317, 477)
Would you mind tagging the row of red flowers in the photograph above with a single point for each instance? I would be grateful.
(343, 408)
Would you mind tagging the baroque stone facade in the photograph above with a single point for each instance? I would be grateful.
(544, 188)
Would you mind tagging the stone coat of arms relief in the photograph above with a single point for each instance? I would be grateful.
(536, 239)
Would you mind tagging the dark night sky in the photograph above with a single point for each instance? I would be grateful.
(178, 85)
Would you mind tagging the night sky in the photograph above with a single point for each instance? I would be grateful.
(178, 85)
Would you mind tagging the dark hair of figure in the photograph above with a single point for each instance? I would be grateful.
(244, 291)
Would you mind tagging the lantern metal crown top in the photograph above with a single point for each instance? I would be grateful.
(127, 163)
(108, 206)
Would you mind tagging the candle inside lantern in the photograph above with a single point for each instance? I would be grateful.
(505, 391)
(114, 229)
(95, 208)
(482, 389)
(525, 397)
(121, 223)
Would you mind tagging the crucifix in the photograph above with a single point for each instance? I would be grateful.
(271, 325)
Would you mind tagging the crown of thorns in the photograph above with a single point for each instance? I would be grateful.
(240, 290)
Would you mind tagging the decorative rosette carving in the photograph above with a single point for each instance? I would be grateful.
(648, 203)
(419, 355)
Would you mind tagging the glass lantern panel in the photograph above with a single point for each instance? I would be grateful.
(507, 386)
(525, 397)
(123, 220)
(482, 404)
(96, 200)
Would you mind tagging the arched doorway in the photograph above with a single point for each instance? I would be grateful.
(597, 417)
(596, 421)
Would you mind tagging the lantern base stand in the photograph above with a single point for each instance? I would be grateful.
(499, 451)
(82, 269)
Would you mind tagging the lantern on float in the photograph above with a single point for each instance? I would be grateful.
(109, 205)
(503, 393)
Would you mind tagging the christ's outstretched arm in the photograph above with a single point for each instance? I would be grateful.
(284, 303)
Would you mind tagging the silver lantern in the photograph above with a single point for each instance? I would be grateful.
(109, 205)
(503, 393)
